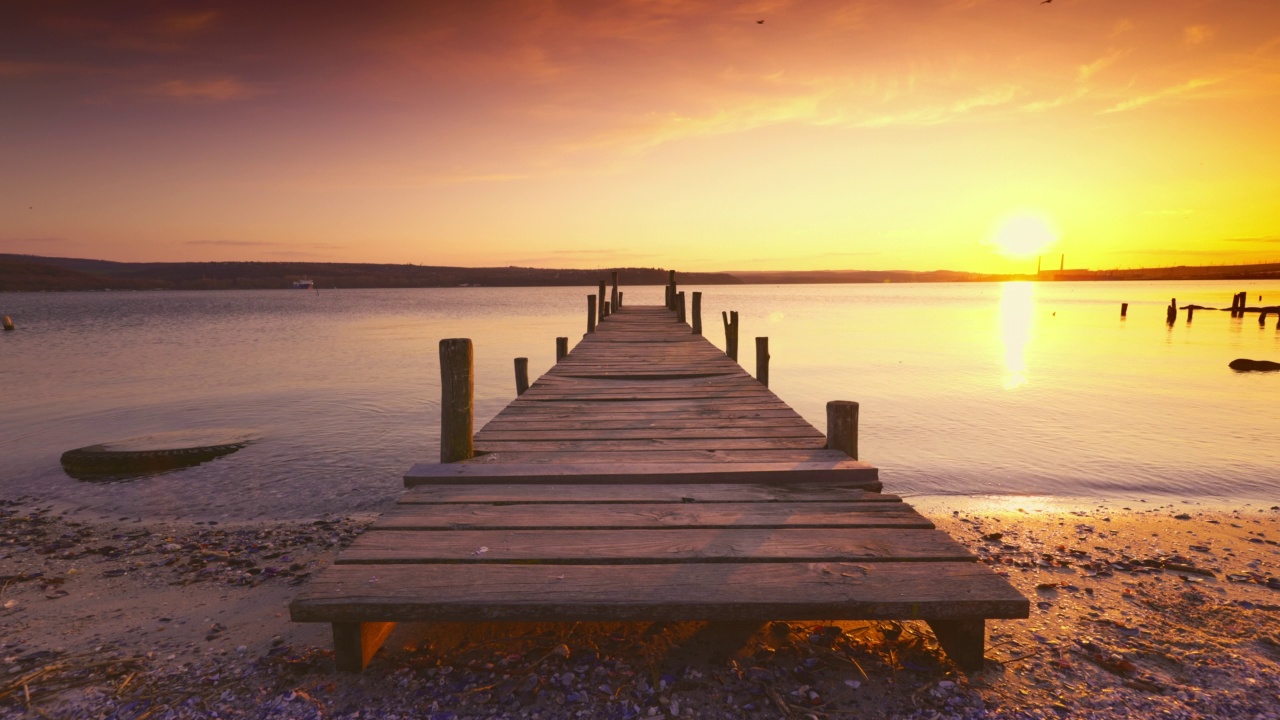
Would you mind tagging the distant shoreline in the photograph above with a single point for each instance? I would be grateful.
(30, 273)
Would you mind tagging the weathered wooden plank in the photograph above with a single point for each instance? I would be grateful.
(662, 456)
(612, 547)
(843, 473)
(650, 433)
(513, 494)
(603, 446)
(650, 515)
(665, 592)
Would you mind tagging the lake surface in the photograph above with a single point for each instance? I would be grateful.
(1015, 388)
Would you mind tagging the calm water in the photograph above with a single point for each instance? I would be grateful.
(967, 388)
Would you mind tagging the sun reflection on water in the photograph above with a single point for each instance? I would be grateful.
(1017, 302)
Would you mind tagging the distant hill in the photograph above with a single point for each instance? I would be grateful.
(32, 273)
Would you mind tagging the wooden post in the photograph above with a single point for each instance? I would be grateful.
(562, 348)
(697, 313)
(842, 427)
(1171, 315)
(602, 302)
(963, 640)
(680, 306)
(1124, 309)
(608, 309)
(613, 297)
(762, 360)
(1262, 317)
(8, 323)
(1190, 311)
(1235, 304)
(457, 392)
(354, 643)
(730, 334)
(591, 313)
(666, 298)
(620, 293)
(522, 375)
(671, 282)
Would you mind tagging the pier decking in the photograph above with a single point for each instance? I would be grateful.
(647, 476)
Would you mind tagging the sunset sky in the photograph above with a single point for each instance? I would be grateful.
(877, 134)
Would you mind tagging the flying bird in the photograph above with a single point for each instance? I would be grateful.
(1045, 2)
(759, 22)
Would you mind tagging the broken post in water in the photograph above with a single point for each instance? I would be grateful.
(1124, 309)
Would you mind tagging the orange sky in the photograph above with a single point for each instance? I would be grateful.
(885, 134)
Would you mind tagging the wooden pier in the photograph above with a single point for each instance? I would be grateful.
(647, 476)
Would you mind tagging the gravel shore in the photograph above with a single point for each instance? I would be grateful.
(1137, 611)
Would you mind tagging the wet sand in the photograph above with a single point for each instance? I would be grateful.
(1138, 609)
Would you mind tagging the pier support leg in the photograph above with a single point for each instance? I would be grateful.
(614, 302)
(671, 294)
(591, 313)
(730, 334)
(842, 427)
(522, 375)
(697, 313)
(680, 307)
(562, 348)
(762, 360)
(457, 393)
(355, 643)
(963, 640)
(603, 312)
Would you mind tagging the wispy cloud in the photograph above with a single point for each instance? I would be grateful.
(1197, 34)
(1169, 92)
(1088, 70)
(214, 90)
(1267, 239)
(937, 114)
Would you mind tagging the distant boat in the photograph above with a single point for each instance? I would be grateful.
(304, 284)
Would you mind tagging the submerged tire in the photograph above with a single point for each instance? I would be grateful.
(154, 453)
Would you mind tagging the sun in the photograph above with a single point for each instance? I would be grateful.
(1023, 236)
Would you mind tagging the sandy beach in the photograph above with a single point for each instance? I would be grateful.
(1139, 609)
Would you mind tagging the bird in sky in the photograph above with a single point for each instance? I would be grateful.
(1045, 2)
(759, 22)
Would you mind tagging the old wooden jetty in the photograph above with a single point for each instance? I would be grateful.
(646, 476)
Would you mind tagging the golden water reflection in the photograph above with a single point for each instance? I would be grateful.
(1017, 303)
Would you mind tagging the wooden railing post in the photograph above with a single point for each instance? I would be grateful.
(562, 348)
(608, 309)
(730, 334)
(591, 313)
(602, 312)
(762, 360)
(680, 306)
(457, 392)
(842, 427)
(697, 313)
(522, 375)
(620, 298)
(613, 297)
(671, 294)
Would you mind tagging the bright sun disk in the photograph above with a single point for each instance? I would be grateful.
(1023, 236)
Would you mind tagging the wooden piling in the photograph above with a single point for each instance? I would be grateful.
(671, 282)
(1190, 311)
(457, 400)
(697, 313)
(602, 313)
(842, 427)
(762, 360)
(591, 313)
(614, 303)
(8, 323)
(562, 348)
(680, 306)
(608, 309)
(1262, 317)
(1235, 304)
(620, 293)
(1124, 309)
(522, 375)
(730, 334)
(666, 298)
(1171, 314)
